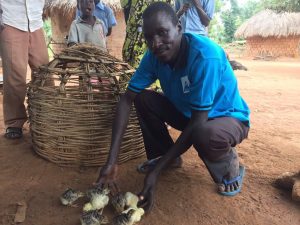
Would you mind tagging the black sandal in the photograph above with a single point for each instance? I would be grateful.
(13, 133)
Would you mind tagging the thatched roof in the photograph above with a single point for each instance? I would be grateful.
(68, 6)
(269, 23)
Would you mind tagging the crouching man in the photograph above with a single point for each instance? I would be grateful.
(200, 98)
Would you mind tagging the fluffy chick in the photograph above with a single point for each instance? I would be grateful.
(137, 214)
(122, 201)
(129, 217)
(123, 219)
(70, 196)
(98, 199)
(93, 217)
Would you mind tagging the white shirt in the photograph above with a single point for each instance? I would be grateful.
(25, 15)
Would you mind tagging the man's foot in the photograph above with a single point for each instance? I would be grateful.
(232, 183)
(149, 165)
(13, 133)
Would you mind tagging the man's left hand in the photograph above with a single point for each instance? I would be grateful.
(146, 196)
(197, 3)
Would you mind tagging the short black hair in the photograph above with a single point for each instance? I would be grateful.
(156, 7)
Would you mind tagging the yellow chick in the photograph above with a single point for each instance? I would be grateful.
(122, 201)
(131, 200)
(93, 217)
(98, 199)
(129, 217)
(70, 196)
(137, 214)
(123, 218)
(118, 201)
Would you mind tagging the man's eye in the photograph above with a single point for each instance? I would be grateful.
(163, 32)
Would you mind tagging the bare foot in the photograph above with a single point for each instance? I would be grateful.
(228, 185)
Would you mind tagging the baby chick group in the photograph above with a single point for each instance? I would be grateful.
(125, 204)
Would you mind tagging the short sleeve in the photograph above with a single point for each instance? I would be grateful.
(73, 34)
(145, 74)
(209, 8)
(111, 18)
(205, 76)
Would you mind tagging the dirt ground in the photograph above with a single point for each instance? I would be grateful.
(184, 196)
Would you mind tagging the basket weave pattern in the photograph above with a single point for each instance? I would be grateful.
(71, 120)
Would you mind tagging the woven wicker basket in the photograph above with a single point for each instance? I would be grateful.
(71, 120)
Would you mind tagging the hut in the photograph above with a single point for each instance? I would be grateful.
(271, 34)
(62, 13)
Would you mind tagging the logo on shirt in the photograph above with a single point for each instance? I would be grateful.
(185, 84)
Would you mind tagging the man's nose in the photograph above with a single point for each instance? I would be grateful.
(156, 42)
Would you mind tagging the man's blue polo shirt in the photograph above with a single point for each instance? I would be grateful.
(104, 13)
(190, 20)
(207, 82)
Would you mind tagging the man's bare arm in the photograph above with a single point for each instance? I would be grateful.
(205, 20)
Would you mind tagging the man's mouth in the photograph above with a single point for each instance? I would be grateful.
(160, 52)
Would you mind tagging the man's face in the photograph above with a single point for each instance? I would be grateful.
(162, 36)
(86, 7)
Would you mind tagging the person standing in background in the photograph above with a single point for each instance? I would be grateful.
(87, 28)
(105, 14)
(126, 4)
(22, 42)
(134, 46)
(195, 15)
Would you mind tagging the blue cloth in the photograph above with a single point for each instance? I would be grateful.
(104, 13)
(190, 20)
(207, 82)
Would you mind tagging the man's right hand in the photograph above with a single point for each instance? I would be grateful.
(108, 177)
(183, 9)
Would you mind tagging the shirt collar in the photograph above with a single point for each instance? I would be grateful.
(181, 60)
(100, 5)
(80, 20)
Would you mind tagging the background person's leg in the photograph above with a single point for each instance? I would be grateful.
(215, 144)
(154, 110)
(14, 47)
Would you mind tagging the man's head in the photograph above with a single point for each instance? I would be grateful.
(162, 31)
(86, 7)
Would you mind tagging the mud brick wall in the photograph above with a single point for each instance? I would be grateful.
(274, 47)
